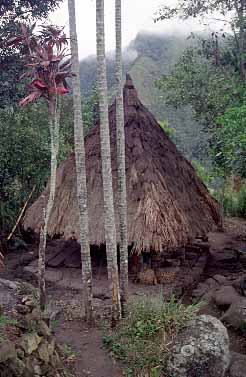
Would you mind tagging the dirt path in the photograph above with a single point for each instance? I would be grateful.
(91, 359)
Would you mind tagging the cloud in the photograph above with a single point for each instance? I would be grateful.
(137, 15)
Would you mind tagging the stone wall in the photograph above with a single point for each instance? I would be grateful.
(27, 345)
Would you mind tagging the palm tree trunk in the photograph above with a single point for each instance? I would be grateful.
(80, 168)
(54, 125)
(120, 126)
(109, 218)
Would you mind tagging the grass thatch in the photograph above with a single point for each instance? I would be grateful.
(168, 205)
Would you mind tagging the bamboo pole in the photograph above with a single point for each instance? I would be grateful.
(21, 214)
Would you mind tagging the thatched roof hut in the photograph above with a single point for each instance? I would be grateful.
(168, 205)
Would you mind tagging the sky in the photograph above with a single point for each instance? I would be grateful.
(137, 15)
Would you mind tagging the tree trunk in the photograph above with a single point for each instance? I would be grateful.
(109, 218)
(80, 168)
(54, 125)
(120, 126)
(241, 9)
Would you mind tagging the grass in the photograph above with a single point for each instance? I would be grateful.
(5, 323)
(68, 352)
(142, 340)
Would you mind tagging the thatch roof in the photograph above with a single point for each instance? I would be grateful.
(168, 205)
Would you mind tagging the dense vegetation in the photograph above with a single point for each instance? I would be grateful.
(142, 340)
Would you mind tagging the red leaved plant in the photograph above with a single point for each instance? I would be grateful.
(47, 60)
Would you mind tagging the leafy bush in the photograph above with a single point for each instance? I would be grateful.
(203, 173)
(168, 130)
(143, 339)
(235, 203)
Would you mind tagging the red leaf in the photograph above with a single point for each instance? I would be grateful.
(31, 98)
(31, 65)
(59, 90)
(24, 75)
(60, 76)
(39, 84)
(14, 41)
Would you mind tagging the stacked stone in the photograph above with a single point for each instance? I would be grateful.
(35, 353)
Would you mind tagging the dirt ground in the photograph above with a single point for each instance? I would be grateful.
(88, 357)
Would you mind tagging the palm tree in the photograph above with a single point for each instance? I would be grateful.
(110, 232)
(80, 167)
(121, 159)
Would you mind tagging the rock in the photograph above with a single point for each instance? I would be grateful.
(43, 352)
(225, 296)
(220, 279)
(25, 288)
(236, 314)
(8, 283)
(16, 366)
(37, 370)
(36, 315)
(7, 351)
(200, 350)
(22, 309)
(238, 365)
(30, 342)
(31, 365)
(20, 353)
(43, 329)
(28, 301)
(212, 283)
(201, 289)
(7, 298)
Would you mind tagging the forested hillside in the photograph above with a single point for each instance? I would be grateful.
(147, 58)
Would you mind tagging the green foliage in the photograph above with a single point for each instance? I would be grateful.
(68, 351)
(25, 151)
(203, 173)
(142, 339)
(216, 94)
(24, 157)
(168, 130)
(5, 323)
(231, 133)
(235, 203)
(243, 327)
(211, 77)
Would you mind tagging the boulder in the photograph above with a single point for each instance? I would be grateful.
(8, 284)
(226, 295)
(201, 289)
(30, 343)
(200, 350)
(220, 279)
(43, 352)
(238, 365)
(7, 351)
(236, 314)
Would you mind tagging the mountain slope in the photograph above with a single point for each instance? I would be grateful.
(146, 59)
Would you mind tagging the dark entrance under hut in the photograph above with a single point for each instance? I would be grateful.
(174, 272)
